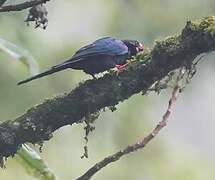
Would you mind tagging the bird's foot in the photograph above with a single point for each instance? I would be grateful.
(120, 68)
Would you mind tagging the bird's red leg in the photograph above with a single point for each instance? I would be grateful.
(120, 68)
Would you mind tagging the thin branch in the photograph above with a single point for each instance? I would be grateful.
(2, 2)
(22, 6)
(140, 144)
(91, 96)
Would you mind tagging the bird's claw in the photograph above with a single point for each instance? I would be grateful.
(120, 68)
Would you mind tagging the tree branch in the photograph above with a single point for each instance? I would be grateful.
(21, 6)
(2, 2)
(140, 144)
(39, 122)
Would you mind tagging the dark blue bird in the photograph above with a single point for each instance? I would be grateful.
(101, 55)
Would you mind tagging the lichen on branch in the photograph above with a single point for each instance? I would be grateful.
(39, 122)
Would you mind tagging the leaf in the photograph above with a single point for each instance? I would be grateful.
(34, 164)
(20, 54)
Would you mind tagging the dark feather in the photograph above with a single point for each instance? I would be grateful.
(104, 46)
(45, 73)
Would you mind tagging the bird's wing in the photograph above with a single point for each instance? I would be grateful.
(104, 46)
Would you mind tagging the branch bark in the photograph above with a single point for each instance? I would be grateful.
(39, 122)
(21, 6)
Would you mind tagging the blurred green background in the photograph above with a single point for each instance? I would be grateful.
(184, 150)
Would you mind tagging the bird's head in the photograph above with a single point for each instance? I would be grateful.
(134, 46)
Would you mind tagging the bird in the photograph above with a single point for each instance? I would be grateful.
(101, 55)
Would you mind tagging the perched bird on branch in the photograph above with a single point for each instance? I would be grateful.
(101, 55)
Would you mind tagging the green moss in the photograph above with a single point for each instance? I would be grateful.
(211, 25)
(206, 24)
(143, 56)
(169, 42)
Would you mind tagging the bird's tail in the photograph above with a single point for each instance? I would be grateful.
(45, 73)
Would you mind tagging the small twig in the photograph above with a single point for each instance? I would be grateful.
(201, 57)
(163, 83)
(2, 2)
(141, 144)
(22, 6)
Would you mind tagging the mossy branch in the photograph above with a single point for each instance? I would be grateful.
(39, 122)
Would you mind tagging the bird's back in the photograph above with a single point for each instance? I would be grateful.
(103, 46)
